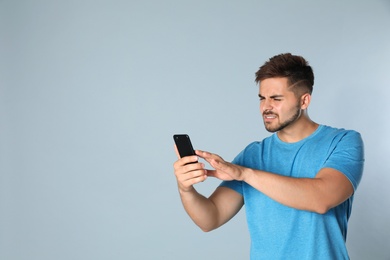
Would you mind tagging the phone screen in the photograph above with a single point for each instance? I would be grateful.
(183, 144)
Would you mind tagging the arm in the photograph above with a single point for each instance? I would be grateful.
(208, 213)
(328, 189)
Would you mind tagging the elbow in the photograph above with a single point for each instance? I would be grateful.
(321, 211)
(322, 208)
(209, 226)
(207, 229)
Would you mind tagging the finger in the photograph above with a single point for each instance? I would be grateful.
(192, 181)
(203, 154)
(233, 171)
(220, 164)
(214, 160)
(184, 169)
(187, 181)
(207, 155)
(185, 160)
(191, 175)
(199, 173)
(191, 167)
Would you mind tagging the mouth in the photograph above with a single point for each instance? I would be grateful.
(269, 117)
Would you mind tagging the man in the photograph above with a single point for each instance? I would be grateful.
(297, 184)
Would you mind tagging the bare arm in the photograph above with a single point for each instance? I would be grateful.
(211, 213)
(328, 189)
(208, 213)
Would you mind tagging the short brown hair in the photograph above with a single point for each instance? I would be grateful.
(295, 68)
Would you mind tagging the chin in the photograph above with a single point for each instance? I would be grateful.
(275, 129)
(271, 129)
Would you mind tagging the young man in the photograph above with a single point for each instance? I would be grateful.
(297, 184)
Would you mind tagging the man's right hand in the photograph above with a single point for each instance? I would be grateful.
(188, 171)
(207, 213)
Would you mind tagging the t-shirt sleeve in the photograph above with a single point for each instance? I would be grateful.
(234, 185)
(348, 157)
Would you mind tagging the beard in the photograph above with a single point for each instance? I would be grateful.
(285, 123)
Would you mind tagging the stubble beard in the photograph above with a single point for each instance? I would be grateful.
(284, 124)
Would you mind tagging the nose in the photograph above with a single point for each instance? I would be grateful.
(265, 105)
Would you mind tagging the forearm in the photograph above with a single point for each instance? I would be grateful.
(201, 209)
(317, 194)
(296, 193)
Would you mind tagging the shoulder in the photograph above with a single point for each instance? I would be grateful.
(340, 134)
(346, 154)
(345, 145)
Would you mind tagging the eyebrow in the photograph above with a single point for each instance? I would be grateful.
(273, 96)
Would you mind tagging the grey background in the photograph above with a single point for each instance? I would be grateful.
(91, 93)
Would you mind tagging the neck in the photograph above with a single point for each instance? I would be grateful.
(298, 130)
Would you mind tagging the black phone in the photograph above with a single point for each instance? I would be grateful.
(184, 145)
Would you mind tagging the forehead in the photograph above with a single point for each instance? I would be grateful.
(272, 86)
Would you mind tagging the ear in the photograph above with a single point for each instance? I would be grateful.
(305, 101)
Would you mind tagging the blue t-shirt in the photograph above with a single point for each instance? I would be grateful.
(281, 232)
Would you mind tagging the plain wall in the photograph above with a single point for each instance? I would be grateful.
(91, 93)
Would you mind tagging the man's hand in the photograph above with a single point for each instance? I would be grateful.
(222, 170)
(188, 171)
(208, 213)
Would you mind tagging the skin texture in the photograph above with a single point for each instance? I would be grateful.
(282, 112)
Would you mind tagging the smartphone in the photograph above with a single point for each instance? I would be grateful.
(183, 144)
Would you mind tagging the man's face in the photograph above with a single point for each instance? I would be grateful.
(279, 106)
